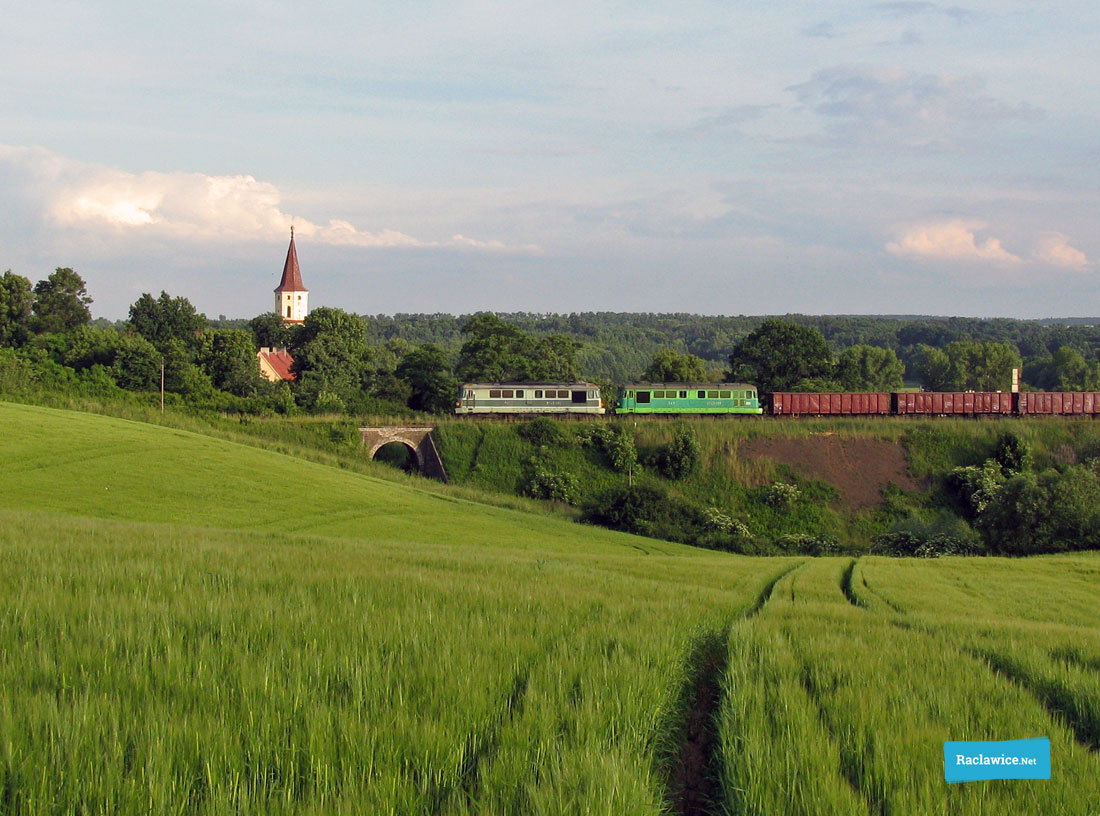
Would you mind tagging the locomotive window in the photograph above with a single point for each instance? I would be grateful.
(702, 394)
(494, 394)
(683, 394)
(712, 395)
(507, 394)
(643, 398)
(658, 395)
(580, 397)
(723, 395)
(538, 394)
(519, 393)
(592, 395)
(562, 394)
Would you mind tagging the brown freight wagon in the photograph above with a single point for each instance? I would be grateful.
(953, 403)
(786, 403)
(1082, 403)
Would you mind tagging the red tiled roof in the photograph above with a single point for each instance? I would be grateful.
(292, 275)
(280, 361)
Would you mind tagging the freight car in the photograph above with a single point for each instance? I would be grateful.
(688, 398)
(1060, 403)
(785, 403)
(529, 398)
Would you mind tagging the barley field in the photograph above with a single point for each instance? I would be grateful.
(189, 625)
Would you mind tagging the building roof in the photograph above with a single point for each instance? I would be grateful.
(278, 360)
(292, 275)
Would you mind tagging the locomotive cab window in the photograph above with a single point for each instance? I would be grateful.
(519, 393)
(643, 398)
(579, 397)
(701, 394)
(538, 394)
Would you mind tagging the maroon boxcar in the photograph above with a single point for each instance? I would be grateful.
(786, 403)
(1083, 403)
(953, 403)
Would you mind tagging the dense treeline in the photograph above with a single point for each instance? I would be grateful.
(414, 362)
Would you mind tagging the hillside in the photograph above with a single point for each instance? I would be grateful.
(784, 486)
(170, 645)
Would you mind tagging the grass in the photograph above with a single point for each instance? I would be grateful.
(194, 625)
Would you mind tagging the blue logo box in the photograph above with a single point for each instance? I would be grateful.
(1012, 759)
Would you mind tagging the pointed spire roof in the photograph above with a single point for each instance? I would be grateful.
(292, 275)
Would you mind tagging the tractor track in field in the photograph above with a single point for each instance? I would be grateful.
(1060, 703)
(1058, 700)
(850, 765)
(480, 747)
(846, 585)
(694, 787)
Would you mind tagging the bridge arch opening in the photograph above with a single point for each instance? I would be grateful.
(398, 454)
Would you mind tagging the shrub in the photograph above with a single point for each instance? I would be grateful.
(542, 431)
(781, 494)
(615, 443)
(803, 544)
(976, 486)
(946, 534)
(681, 456)
(1012, 453)
(543, 481)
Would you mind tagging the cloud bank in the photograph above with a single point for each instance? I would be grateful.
(958, 239)
(82, 196)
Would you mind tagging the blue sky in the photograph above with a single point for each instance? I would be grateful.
(711, 157)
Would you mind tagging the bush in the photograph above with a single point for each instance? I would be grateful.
(615, 443)
(946, 534)
(543, 481)
(803, 544)
(542, 431)
(681, 456)
(976, 486)
(1012, 453)
(781, 494)
(1046, 513)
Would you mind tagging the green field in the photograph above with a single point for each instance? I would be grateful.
(190, 625)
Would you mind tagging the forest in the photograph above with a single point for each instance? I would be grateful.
(362, 364)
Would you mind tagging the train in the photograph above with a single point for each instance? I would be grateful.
(582, 398)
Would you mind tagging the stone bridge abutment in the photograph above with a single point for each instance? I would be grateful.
(418, 439)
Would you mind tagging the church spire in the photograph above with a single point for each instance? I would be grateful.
(291, 295)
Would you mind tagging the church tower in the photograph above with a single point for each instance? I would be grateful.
(291, 296)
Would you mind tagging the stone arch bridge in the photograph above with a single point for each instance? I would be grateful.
(418, 439)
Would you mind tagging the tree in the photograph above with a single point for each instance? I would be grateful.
(137, 364)
(779, 355)
(61, 302)
(16, 305)
(496, 351)
(428, 374)
(271, 331)
(229, 359)
(330, 357)
(166, 318)
(869, 368)
(670, 366)
(966, 365)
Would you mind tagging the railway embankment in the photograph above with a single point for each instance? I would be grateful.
(761, 486)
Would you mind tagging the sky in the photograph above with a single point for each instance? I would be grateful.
(709, 157)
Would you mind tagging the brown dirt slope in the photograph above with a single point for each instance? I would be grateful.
(858, 468)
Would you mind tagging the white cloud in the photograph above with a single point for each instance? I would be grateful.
(956, 239)
(81, 196)
(1054, 249)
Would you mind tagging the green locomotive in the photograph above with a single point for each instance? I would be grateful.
(688, 398)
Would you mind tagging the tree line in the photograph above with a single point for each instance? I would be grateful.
(384, 364)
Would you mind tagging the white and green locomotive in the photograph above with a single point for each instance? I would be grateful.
(529, 398)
